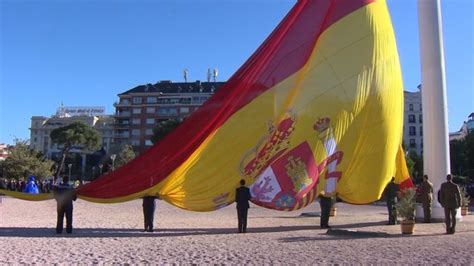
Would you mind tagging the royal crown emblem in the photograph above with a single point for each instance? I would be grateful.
(277, 142)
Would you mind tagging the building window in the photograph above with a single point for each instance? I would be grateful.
(136, 121)
(150, 121)
(412, 143)
(151, 100)
(125, 101)
(148, 142)
(168, 100)
(150, 110)
(137, 100)
(184, 110)
(149, 132)
(411, 119)
(421, 131)
(421, 107)
(135, 132)
(412, 131)
(199, 99)
(137, 110)
(420, 118)
(135, 142)
(185, 101)
(410, 107)
(168, 111)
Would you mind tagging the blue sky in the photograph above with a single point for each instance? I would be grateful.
(84, 53)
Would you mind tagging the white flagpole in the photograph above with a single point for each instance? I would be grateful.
(436, 161)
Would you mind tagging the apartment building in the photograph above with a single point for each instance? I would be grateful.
(413, 122)
(41, 127)
(139, 109)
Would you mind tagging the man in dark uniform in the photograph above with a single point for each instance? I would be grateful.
(242, 197)
(391, 194)
(326, 204)
(148, 212)
(64, 195)
(426, 197)
(450, 199)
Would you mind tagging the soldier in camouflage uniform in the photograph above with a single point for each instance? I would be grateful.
(426, 197)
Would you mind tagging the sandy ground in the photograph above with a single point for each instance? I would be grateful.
(108, 234)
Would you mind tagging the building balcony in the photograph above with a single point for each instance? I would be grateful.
(122, 135)
(122, 104)
(122, 114)
(121, 125)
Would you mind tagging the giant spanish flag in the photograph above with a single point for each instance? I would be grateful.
(317, 108)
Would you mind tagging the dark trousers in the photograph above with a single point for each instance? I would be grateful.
(242, 217)
(427, 211)
(325, 211)
(149, 214)
(392, 212)
(64, 211)
(450, 219)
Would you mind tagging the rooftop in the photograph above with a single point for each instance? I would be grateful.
(167, 86)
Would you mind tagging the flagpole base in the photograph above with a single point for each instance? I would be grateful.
(437, 213)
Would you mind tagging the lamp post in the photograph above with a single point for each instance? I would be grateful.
(93, 172)
(112, 157)
(100, 168)
(70, 167)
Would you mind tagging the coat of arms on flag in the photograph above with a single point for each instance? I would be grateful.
(286, 177)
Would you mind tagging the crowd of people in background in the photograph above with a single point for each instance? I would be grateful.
(44, 186)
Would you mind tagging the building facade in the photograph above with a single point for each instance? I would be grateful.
(4, 151)
(95, 117)
(139, 110)
(466, 128)
(413, 122)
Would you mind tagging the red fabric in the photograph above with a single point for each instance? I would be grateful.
(284, 52)
(407, 183)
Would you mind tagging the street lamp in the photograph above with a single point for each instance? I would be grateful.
(112, 157)
(70, 166)
(100, 168)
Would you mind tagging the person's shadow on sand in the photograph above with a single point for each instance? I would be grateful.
(128, 232)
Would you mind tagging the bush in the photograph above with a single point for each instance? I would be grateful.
(406, 204)
(465, 198)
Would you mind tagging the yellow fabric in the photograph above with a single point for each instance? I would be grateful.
(353, 78)
(27, 196)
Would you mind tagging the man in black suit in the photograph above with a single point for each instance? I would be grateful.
(326, 204)
(64, 194)
(242, 197)
(148, 212)
(391, 197)
(450, 198)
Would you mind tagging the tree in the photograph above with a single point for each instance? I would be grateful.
(458, 156)
(23, 162)
(163, 128)
(462, 156)
(75, 134)
(417, 166)
(126, 154)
